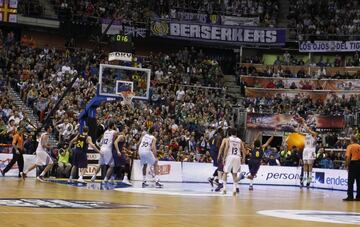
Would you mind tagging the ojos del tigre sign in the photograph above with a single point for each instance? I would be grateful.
(329, 46)
(218, 33)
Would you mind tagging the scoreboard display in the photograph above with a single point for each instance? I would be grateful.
(121, 38)
(120, 42)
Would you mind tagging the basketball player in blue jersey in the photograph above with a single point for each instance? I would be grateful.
(215, 143)
(79, 156)
(119, 155)
(147, 154)
(256, 157)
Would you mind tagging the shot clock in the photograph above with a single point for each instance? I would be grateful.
(120, 42)
(121, 38)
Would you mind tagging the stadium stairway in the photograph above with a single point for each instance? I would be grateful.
(29, 113)
(232, 89)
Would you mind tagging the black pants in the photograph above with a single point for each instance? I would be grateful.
(19, 158)
(353, 174)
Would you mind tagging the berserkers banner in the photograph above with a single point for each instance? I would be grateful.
(234, 35)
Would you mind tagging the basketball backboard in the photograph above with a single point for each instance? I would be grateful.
(114, 79)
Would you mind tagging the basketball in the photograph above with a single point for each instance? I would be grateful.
(295, 139)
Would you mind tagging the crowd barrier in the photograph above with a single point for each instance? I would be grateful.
(267, 175)
(321, 95)
(313, 69)
(325, 84)
(191, 172)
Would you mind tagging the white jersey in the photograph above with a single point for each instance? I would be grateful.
(40, 146)
(310, 142)
(234, 146)
(146, 142)
(108, 140)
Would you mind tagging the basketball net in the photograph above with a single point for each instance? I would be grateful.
(127, 97)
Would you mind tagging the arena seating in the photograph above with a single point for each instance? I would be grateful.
(267, 12)
(325, 19)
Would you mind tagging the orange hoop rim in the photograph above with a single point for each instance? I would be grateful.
(127, 96)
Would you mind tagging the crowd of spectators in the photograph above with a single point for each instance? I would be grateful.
(11, 117)
(288, 59)
(266, 10)
(327, 159)
(324, 18)
(30, 8)
(303, 104)
(181, 114)
(141, 11)
(90, 11)
(185, 117)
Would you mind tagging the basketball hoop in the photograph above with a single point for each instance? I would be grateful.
(127, 97)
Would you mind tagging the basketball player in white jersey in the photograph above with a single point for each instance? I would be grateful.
(309, 154)
(233, 153)
(42, 157)
(106, 157)
(147, 154)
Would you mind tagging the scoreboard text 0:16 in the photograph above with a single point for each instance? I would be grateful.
(121, 38)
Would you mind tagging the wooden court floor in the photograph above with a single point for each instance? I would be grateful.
(168, 210)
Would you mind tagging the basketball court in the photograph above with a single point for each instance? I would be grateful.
(27, 203)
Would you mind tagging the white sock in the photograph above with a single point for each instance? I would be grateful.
(42, 174)
(251, 182)
(144, 178)
(235, 185)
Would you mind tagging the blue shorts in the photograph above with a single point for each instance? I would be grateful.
(254, 166)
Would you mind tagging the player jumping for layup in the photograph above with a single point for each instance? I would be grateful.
(234, 151)
(147, 153)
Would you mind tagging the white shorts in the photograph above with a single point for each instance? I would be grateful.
(43, 158)
(309, 154)
(308, 161)
(232, 164)
(106, 158)
(147, 157)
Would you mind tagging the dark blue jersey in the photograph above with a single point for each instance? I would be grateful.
(257, 153)
(81, 143)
